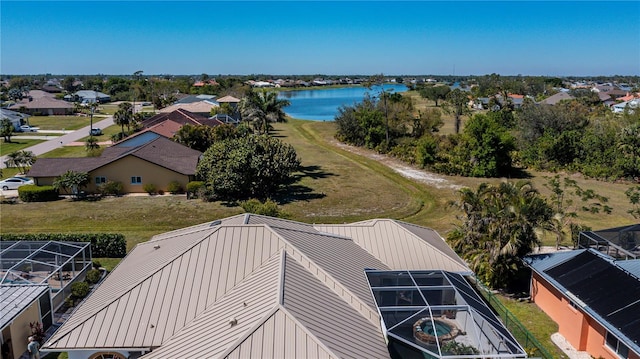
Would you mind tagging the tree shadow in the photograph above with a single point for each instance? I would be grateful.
(519, 173)
(296, 192)
(313, 172)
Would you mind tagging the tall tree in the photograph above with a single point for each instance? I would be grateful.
(457, 105)
(633, 194)
(261, 108)
(435, 93)
(6, 130)
(21, 159)
(498, 227)
(123, 116)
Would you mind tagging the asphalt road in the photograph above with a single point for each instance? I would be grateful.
(60, 141)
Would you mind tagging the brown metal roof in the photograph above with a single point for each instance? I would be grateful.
(293, 290)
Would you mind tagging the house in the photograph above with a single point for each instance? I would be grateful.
(88, 96)
(43, 106)
(197, 98)
(202, 108)
(21, 305)
(35, 279)
(182, 117)
(17, 119)
(630, 105)
(593, 298)
(158, 161)
(262, 287)
(554, 99)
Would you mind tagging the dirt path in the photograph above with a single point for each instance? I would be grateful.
(402, 168)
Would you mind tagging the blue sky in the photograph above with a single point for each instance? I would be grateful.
(333, 38)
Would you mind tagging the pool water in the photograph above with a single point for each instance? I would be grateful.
(440, 328)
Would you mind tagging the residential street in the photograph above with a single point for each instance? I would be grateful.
(60, 141)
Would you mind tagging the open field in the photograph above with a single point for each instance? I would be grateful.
(60, 122)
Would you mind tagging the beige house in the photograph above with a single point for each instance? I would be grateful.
(252, 286)
(19, 306)
(134, 163)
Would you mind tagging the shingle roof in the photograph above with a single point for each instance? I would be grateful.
(160, 151)
(197, 107)
(42, 102)
(554, 99)
(230, 99)
(242, 286)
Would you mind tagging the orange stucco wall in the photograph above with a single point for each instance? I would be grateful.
(584, 333)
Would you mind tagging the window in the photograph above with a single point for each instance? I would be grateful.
(101, 179)
(617, 346)
(136, 180)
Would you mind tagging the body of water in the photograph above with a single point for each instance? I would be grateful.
(323, 104)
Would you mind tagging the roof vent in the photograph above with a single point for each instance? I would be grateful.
(157, 246)
(151, 326)
(215, 223)
(233, 321)
(244, 304)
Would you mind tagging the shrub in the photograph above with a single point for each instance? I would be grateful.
(268, 208)
(150, 188)
(111, 188)
(93, 276)
(161, 192)
(103, 245)
(96, 264)
(174, 187)
(79, 290)
(33, 193)
(193, 188)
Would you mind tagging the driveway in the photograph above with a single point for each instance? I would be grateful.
(60, 141)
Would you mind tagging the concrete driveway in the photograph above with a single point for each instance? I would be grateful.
(60, 141)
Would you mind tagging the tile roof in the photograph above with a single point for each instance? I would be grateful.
(180, 116)
(242, 286)
(160, 151)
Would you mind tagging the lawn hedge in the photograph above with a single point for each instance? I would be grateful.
(33, 193)
(103, 245)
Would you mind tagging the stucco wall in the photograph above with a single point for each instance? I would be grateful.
(20, 330)
(582, 331)
(123, 169)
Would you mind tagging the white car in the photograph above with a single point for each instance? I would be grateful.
(14, 182)
(27, 128)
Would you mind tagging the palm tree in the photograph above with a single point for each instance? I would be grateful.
(261, 108)
(498, 228)
(91, 144)
(123, 116)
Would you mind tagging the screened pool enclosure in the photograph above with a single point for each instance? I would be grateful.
(57, 264)
(437, 314)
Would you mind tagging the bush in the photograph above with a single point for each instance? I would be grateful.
(268, 208)
(103, 245)
(150, 188)
(93, 276)
(193, 188)
(33, 193)
(174, 187)
(111, 188)
(79, 290)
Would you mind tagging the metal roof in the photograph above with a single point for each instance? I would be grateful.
(14, 299)
(242, 286)
(631, 266)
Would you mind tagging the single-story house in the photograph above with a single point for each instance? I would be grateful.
(43, 106)
(17, 118)
(181, 116)
(21, 305)
(197, 98)
(200, 107)
(159, 162)
(630, 105)
(88, 96)
(252, 286)
(594, 299)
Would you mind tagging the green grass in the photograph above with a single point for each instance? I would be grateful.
(60, 122)
(10, 172)
(16, 145)
(66, 151)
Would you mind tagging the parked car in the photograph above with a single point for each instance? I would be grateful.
(95, 132)
(27, 128)
(14, 182)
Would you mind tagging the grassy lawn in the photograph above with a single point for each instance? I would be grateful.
(16, 145)
(60, 122)
(66, 151)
